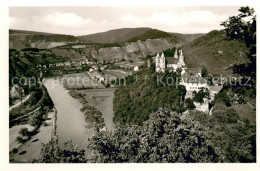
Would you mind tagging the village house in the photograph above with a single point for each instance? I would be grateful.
(136, 68)
(97, 76)
(67, 64)
(191, 78)
(203, 107)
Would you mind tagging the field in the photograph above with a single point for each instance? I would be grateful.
(128, 64)
(114, 74)
(102, 99)
(80, 80)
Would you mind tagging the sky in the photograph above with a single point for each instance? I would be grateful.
(88, 20)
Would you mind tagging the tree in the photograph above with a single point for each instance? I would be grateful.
(179, 70)
(222, 114)
(204, 72)
(189, 104)
(164, 137)
(21, 92)
(243, 27)
(198, 96)
(52, 152)
(234, 140)
(222, 97)
(23, 131)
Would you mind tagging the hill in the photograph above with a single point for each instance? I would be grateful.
(215, 53)
(19, 39)
(154, 34)
(114, 36)
(188, 37)
(11, 31)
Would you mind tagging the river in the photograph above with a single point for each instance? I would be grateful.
(70, 120)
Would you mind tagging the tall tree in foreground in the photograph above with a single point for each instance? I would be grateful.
(243, 27)
(165, 137)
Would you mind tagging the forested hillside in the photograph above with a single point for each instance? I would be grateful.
(154, 34)
(215, 53)
(134, 102)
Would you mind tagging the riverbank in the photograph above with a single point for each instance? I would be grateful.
(100, 100)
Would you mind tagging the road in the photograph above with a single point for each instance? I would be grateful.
(18, 104)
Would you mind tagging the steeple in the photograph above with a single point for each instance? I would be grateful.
(176, 55)
(181, 59)
(162, 56)
(181, 52)
(162, 61)
(157, 60)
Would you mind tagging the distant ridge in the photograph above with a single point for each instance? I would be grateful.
(14, 31)
(114, 36)
(188, 37)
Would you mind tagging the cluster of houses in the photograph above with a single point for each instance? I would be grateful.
(77, 63)
(191, 78)
(135, 66)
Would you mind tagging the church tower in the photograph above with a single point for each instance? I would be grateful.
(176, 55)
(181, 58)
(157, 62)
(162, 62)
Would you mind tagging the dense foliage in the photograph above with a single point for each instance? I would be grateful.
(39, 99)
(234, 138)
(134, 102)
(165, 137)
(198, 96)
(243, 28)
(23, 67)
(189, 104)
(52, 152)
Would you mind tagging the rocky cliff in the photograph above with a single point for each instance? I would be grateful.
(134, 50)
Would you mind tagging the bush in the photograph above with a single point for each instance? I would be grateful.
(222, 97)
(189, 104)
(222, 114)
(15, 150)
(23, 131)
(198, 96)
(21, 140)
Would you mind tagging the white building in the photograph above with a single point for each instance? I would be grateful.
(203, 107)
(136, 68)
(192, 80)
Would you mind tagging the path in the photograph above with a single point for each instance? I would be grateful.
(18, 104)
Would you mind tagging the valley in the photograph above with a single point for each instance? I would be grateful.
(125, 95)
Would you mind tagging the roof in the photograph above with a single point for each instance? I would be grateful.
(215, 88)
(171, 60)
